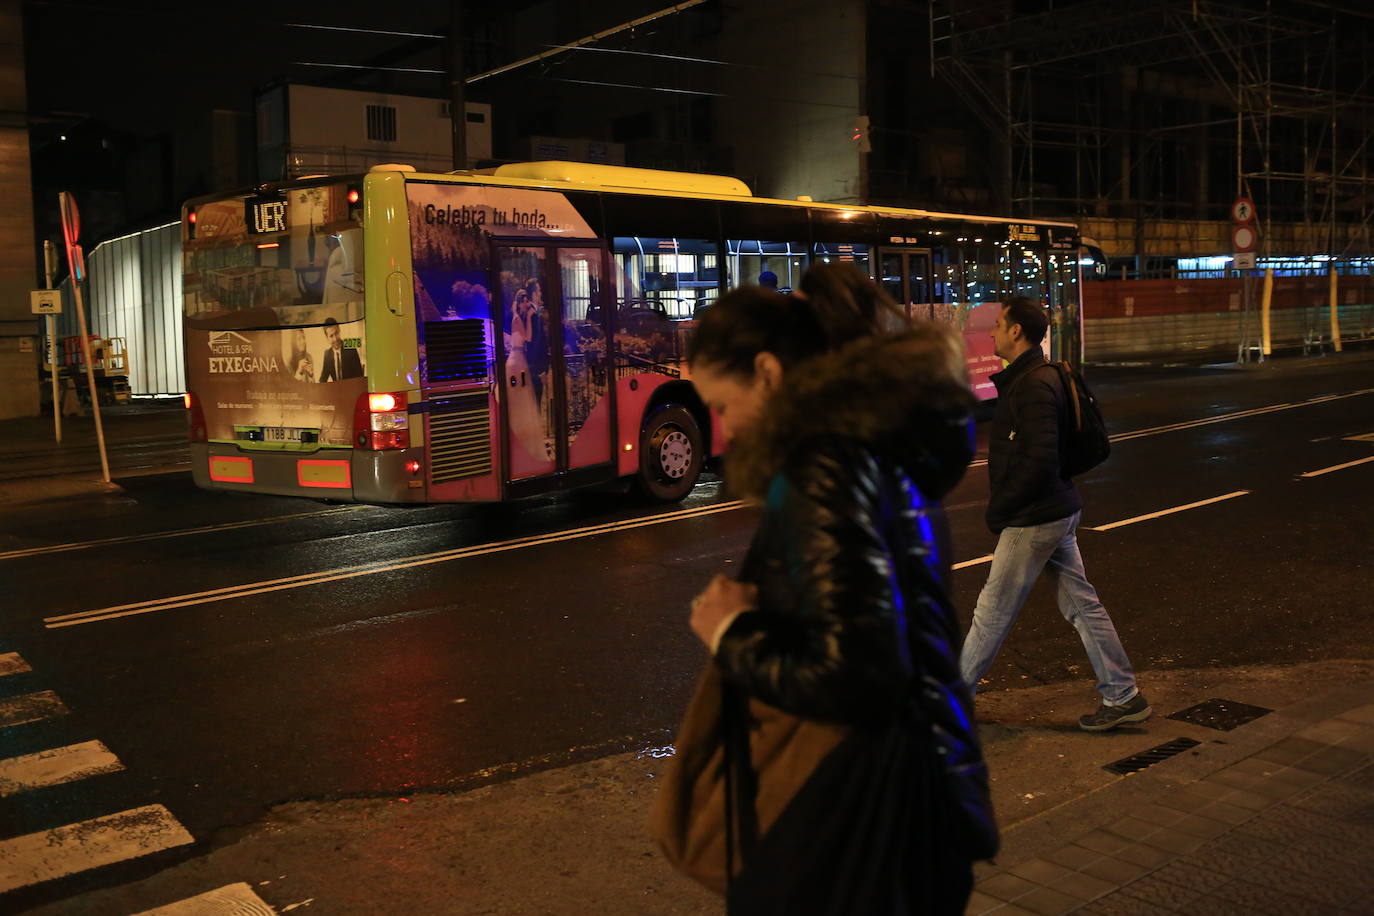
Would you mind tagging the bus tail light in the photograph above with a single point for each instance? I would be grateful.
(195, 418)
(381, 422)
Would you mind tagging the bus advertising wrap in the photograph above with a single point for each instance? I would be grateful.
(275, 336)
(451, 227)
(289, 386)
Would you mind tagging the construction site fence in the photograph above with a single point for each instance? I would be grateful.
(1217, 318)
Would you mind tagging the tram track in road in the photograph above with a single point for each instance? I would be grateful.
(25, 552)
(134, 456)
(1219, 418)
(407, 526)
(381, 566)
(414, 526)
(385, 566)
(117, 445)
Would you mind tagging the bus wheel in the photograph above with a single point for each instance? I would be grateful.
(671, 454)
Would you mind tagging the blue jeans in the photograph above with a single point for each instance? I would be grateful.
(1016, 563)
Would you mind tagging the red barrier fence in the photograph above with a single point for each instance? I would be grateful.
(1140, 298)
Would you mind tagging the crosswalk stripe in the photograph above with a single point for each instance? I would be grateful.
(11, 663)
(31, 707)
(231, 900)
(54, 767)
(49, 854)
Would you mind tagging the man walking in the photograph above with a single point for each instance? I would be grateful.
(1034, 510)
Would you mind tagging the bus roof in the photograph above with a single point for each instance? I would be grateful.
(622, 177)
(554, 174)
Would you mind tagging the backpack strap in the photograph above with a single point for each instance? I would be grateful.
(1071, 395)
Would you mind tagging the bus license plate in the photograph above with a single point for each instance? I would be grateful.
(281, 434)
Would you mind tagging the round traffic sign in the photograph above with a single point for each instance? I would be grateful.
(1243, 210)
(1242, 238)
(71, 217)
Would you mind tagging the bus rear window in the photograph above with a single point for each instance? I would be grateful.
(286, 253)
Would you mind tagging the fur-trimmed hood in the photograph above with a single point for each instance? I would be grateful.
(906, 396)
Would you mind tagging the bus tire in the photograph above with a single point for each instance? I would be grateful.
(671, 453)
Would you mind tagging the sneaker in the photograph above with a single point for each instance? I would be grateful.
(1137, 709)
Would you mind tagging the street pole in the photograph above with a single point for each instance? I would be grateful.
(50, 273)
(1333, 301)
(1266, 302)
(76, 265)
(90, 379)
(457, 70)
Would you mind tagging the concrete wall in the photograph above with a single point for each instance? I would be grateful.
(792, 98)
(18, 368)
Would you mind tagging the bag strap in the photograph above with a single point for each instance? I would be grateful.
(741, 782)
(1071, 394)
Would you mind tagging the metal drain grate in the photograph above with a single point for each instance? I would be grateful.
(1138, 762)
(1223, 715)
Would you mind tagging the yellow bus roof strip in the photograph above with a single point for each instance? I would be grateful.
(619, 176)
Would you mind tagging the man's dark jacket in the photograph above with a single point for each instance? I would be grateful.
(350, 365)
(1028, 487)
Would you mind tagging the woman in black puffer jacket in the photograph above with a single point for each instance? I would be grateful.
(848, 437)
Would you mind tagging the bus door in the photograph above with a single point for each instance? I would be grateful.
(905, 274)
(555, 376)
(1066, 318)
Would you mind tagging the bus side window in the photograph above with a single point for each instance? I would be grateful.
(776, 264)
(855, 253)
(668, 277)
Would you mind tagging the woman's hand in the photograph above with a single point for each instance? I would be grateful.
(722, 598)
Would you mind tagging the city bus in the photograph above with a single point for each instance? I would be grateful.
(401, 337)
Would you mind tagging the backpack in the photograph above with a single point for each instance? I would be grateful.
(1082, 431)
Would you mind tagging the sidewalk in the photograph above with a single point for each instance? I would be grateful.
(1275, 816)
(1285, 830)
(140, 438)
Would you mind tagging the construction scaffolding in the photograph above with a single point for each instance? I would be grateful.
(1145, 120)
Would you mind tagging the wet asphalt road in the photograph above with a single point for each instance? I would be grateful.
(443, 675)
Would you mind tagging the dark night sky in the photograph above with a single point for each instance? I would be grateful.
(141, 65)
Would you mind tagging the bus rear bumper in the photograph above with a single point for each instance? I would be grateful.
(347, 475)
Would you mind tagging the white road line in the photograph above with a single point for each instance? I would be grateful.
(11, 663)
(236, 899)
(368, 569)
(49, 854)
(1337, 467)
(159, 535)
(31, 707)
(54, 767)
(968, 563)
(1207, 421)
(1142, 518)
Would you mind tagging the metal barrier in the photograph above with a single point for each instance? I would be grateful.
(134, 292)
